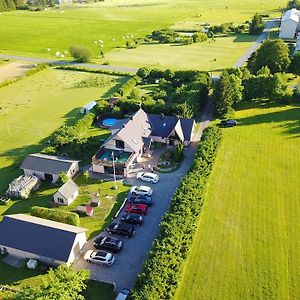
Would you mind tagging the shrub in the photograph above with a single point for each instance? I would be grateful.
(80, 54)
(199, 37)
(257, 25)
(62, 177)
(55, 215)
(164, 265)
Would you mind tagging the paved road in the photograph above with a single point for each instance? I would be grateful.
(66, 62)
(129, 261)
(269, 25)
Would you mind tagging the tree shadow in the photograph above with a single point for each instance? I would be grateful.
(288, 120)
(242, 38)
(119, 82)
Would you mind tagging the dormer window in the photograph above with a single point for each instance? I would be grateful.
(120, 144)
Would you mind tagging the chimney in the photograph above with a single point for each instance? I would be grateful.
(123, 125)
(131, 118)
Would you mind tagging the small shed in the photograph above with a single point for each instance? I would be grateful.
(87, 109)
(112, 101)
(95, 201)
(66, 194)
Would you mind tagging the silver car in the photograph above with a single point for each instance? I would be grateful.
(148, 177)
(141, 190)
(99, 257)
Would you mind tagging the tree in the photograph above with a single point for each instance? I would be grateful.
(293, 4)
(62, 177)
(227, 92)
(143, 72)
(274, 54)
(264, 71)
(295, 63)
(256, 25)
(62, 283)
(199, 37)
(80, 54)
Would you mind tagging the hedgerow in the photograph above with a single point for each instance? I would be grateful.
(163, 267)
(56, 215)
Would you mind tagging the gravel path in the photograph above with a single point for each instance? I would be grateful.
(269, 25)
(65, 62)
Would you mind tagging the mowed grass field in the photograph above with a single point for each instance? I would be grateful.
(247, 243)
(212, 56)
(34, 107)
(32, 33)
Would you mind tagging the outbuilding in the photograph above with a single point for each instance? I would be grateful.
(48, 167)
(66, 194)
(49, 242)
(87, 109)
(290, 24)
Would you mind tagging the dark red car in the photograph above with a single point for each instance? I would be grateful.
(140, 209)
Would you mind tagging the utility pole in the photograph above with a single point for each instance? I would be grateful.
(115, 180)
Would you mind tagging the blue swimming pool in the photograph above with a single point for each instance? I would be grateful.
(109, 122)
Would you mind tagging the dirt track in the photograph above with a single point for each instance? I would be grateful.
(14, 70)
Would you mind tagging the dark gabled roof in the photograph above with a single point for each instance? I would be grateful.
(162, 125)
(47, 163)
(187, 128)
(42, 237)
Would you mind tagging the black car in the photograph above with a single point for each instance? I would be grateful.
(133, 219)
(124, 229)
(109, 243)
(228, 123)
(140, 200)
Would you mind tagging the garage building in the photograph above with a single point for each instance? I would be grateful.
(50, 242)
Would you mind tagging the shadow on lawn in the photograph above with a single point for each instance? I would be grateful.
(36, 199)
(114, 89)
(242, 38)
(109, 219)
(287, 120)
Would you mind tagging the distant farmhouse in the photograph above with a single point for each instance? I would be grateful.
(50, 242)
(290, 24)
(66, 194)
(131, 139)
(48, 167)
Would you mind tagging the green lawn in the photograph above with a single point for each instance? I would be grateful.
(110, 199)
(32, 33)
(18, 278)
(222, 53)
(34, 107)
(247, 243)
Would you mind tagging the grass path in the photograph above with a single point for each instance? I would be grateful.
(247, 243)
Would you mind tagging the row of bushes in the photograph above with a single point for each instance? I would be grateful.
(128, 86)
(56, 215)
(96, 71)
(163, 268)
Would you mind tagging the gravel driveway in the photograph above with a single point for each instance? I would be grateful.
(129, 261)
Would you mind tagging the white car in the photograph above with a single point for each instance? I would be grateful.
(148, 177)
(141, 190)
(99, 257)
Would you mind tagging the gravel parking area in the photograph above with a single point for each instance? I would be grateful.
(129, 261)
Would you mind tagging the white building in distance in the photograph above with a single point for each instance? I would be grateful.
(290, 24)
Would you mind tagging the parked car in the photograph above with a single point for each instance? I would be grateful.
(99, 257)
(140, 209)
(141, 190)
(140, 200)
(123, 295)
(124, 229)
(228, 123)
(148, 177)
(109, 243)
(134, 219)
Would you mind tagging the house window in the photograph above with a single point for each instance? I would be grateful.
(60, 200)
(120, 144)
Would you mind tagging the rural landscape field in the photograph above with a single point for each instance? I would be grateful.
(149, 150)
(246, 242)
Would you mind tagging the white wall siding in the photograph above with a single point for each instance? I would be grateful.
(80, 240)
(288, 29)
